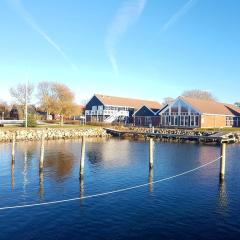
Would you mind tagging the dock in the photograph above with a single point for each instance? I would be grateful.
(219, 137)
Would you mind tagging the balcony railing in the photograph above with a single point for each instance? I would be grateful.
(106, 112)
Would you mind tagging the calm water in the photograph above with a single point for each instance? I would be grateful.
(193, 206)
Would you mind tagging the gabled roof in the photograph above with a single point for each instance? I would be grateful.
(212, 107)
(146, 109)
(128, 102)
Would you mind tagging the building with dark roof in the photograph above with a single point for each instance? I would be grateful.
(146, 116)
(109, 109)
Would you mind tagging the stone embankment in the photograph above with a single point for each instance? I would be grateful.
(50, 134)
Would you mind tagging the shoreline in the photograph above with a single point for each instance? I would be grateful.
(6, 135)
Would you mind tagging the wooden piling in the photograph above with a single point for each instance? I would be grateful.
(222, 162)
(13, 147)
(82, 157)
(151, 153)
(42, 152)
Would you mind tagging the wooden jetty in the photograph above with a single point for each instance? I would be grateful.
(220, 137)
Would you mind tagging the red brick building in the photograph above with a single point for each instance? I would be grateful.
(187, 112)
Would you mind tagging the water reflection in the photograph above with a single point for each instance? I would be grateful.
(12, 176)
(223, 198)
(81, 181)
(108, 153)
(41, 189)
(60, 162)
(25, 172)
(94, 157)
(150, 179)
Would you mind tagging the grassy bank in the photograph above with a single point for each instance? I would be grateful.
(49, 126)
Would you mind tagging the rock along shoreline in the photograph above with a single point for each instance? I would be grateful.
(6, 135)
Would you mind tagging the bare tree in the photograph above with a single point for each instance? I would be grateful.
(199, 94)
(19, 95)
(167, 100)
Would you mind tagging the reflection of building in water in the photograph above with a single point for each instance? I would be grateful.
(112, 153)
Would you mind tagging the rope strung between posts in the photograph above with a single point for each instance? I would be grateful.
(110, 192)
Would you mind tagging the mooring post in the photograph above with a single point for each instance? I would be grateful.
(42, 152)
(82, 158)
(13, 147)
(151, 153)
(222, 162)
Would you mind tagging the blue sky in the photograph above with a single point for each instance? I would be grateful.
(146, 49)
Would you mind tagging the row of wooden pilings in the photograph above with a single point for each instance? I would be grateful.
(83, 149)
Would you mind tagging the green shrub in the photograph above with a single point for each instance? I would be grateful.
(32, 121)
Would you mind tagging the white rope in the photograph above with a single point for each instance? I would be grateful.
(110, 192)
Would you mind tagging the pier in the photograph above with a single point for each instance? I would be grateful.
(219, 137)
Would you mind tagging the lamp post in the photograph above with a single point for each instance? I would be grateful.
(26, 105)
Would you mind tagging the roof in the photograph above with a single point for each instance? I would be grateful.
(128, 102)
(212, 107)
(144, 110)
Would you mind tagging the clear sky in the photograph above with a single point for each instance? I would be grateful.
(146, 49)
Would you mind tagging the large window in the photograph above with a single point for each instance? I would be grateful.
(229, 121)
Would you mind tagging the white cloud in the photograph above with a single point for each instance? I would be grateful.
(21, 10)
(126, 16)
(182, 11)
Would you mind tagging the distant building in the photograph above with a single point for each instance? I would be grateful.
(237, 104)
(187, 112)
(109, 109)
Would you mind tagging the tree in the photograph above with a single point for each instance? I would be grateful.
(19, 95)
(4, 109)
(63, 99)
(167, 100)
(45, 95)
(199, 94)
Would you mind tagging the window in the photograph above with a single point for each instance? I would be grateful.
(192, 121)
(148, 120)
(229, 121)
(182, 121)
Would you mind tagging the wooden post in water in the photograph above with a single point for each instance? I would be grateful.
(13, 147)
(151, 153)
(82, 158)
(222, 162)
(42, 152)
